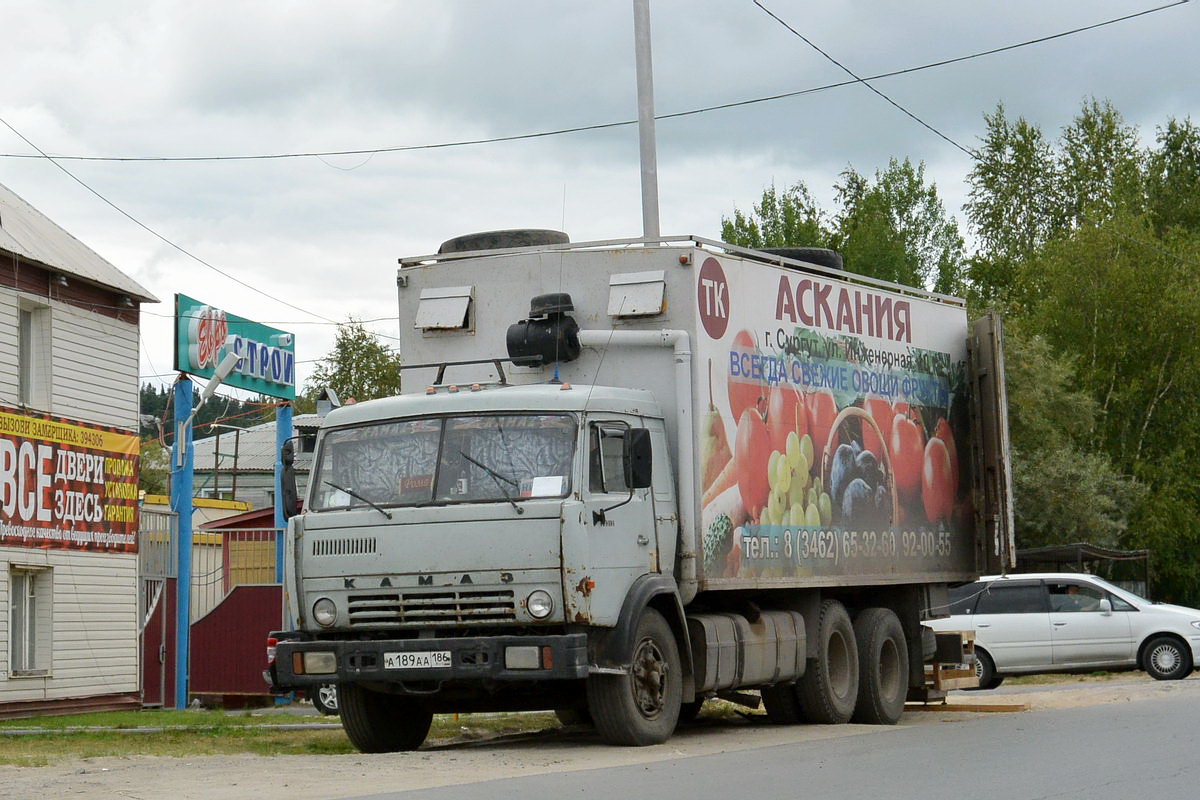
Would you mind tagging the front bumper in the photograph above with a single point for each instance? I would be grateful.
(562, 657)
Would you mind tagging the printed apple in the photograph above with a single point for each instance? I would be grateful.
(942, 431)
(906, 446)
(744, 392)
(937, 481)
(785, 413)
(822, 410)
(880, 411)
(751, 453)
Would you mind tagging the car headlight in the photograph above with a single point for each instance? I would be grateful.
(540, 604)
(324, 612)
(1196, 623)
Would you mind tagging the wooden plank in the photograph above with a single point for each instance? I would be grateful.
(980, 707)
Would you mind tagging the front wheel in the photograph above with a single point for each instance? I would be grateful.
(382, 723)
(1167, 659)
(642, 707)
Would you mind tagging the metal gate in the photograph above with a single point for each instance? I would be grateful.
(158, 555)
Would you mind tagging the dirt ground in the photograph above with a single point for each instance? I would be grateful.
(317, 777)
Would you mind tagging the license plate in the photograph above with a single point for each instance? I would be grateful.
(426, 660)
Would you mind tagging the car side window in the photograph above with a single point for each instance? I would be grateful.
(606, 457)
(1067, 597)
(1027, 598)
(1120, 605)
(962, 598)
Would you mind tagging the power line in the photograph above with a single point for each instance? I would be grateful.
(153, 232)
(971, 152)
(863, 81)
(607, 125)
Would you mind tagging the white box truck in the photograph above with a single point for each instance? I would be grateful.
(627, 476)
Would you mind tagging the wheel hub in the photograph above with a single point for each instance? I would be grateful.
(649, 678)
(1165, 658)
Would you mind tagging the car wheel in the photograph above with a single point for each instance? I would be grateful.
(985, 670)
(325, 699)
(1165, 658)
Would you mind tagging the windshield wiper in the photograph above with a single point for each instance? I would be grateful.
(497, 477)
(358, 496)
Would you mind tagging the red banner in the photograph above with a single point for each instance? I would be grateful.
(67, 484)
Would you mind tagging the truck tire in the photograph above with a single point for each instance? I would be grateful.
(781, 704)
(829, 688)
(883, 667)
(642, 707)
(381, 723)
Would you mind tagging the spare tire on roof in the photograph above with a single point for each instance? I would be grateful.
(502, 240)
(821, 256)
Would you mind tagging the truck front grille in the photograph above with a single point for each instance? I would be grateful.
(431, 609)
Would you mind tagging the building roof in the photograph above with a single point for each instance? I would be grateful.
(255, 447)
(31, 234)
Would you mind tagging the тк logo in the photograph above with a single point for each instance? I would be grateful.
(712, 294)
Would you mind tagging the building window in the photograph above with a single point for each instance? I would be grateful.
(33, 355)
(29, 592)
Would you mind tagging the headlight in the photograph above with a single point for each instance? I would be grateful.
(540, 604)
(1196, 623)
(324, 612)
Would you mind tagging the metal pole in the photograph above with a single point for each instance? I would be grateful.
(645, 97)
(283, 432)
(237, 441)
(183, 463)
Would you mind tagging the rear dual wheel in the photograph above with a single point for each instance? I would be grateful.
(883, 653)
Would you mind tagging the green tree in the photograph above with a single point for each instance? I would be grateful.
(153, 467)
(893, 227)
(1173, 177)
(357, 367)
(790, 219)
(1013, 204)
(1099, 166)
(896, 228)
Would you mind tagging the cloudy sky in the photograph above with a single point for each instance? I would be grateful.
(127, 78)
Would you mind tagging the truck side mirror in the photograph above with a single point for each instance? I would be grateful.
(291, 498)
(638, 458)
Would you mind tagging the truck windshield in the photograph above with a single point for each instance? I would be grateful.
(465, 459)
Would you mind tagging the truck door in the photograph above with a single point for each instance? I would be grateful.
(666, 512)
(620, 528)
(995, 550)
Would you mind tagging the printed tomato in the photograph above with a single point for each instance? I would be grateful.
(785, 413)
(942, 431)
(822, 409)
(880, 411)
(751, 453)
(937, 481)
(906, 446)
(743, 391)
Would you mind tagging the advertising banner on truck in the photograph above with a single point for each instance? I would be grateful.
(834, 440)
(67, 484)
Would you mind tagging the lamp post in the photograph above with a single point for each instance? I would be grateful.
(182, 488)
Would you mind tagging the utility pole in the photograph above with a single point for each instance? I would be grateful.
(646, 138)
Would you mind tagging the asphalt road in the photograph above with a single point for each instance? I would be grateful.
(1119, 751)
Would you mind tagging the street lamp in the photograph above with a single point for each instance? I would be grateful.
(227, 365)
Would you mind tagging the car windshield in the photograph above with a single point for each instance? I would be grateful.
(463, 459)
(1120, 591)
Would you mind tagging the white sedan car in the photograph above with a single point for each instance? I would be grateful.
(1070, 622)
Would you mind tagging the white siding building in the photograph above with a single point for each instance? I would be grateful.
(68, 423)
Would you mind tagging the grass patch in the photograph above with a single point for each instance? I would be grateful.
(1062, 677)
(210, 733)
